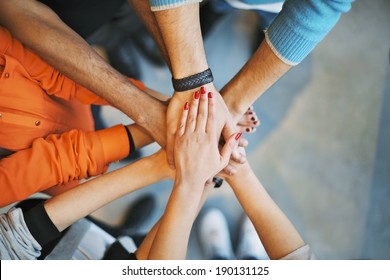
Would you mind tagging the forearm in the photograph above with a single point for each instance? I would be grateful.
(142, 8)
(172, 235)
(26, 233)
(144, 249)
(276, 232)
(294, 33)
(182, 37)
(158, 95)
(258, 74)
(70, 206)
(60, 46)
(50, 38)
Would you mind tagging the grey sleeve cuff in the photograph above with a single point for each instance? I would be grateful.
(16, 241)
(303, 253)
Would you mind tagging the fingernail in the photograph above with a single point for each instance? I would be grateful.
(255, 122)
(203, 90)
(253, 118)
(238, 136)
(248, 130)
(186, 107)
(197, 95)
(210, 94)
(250, 113)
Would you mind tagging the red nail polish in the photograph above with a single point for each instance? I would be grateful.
(248, 130)
(203, 90)
(210, 95)
(197, 95)
(253, 118)
(238, 136)
(186, 107)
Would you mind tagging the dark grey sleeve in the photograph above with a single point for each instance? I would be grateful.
(16, 241)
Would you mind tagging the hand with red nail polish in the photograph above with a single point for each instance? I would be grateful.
(224, 124)
(197, 159)
(197, 156)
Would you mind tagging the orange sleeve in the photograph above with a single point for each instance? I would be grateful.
(50, 79)
(59, 159)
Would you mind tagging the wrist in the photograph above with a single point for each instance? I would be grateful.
(235, 108)
(243, 171)
(186, 95)
(190, 192)
(188, 180)
(158, 166)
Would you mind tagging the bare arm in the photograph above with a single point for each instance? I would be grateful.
(174, 230)
(67, 208)
(275, 230)
(60, 46)
(292, 35)
(144, 249)
(180, 30)
(258, 74)
(142, 8)
(197, 158)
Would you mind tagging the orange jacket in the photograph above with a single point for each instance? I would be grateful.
(45, 118)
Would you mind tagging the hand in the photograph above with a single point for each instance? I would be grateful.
(224, 121)
(234, 168)
(237, 158)
(197, 157)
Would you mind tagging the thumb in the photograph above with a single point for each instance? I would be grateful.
(228, 130)
(170, 150)
(229, 146)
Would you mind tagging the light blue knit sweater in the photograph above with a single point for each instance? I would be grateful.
(298, 28)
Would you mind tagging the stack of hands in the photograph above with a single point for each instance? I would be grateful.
(225, 125)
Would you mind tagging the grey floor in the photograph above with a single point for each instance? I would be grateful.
(322, 148)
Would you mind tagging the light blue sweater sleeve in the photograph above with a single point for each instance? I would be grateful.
(301, 25)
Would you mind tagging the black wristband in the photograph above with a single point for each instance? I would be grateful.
(131, 140)
(218, 182)
(193, 81)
